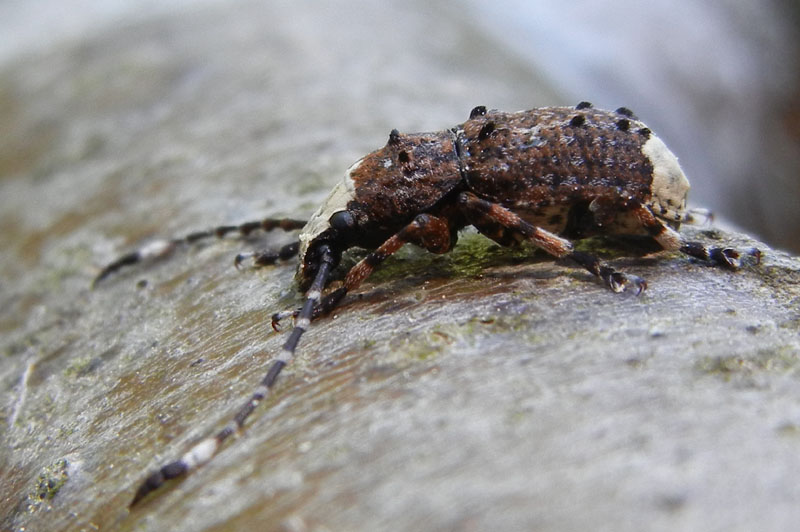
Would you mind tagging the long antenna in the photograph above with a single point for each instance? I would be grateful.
(203, 451)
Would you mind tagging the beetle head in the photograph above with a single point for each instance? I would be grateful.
(380, 194)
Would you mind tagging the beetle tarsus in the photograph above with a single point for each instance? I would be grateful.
(726, 257)
(623, 282)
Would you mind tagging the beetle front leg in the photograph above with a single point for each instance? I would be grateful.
(426, 231)
(475, 207)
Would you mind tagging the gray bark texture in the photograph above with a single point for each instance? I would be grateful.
(485, 389)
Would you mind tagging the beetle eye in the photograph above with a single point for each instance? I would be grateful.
(342, 221)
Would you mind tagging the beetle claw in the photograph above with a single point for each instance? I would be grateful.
(240, 258)
(734, 259)
(638, 283)
(280, 316)
(616, 282)
(727, 257)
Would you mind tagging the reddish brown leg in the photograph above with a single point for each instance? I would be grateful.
(670, 239)
(477, 208)
(426, 230)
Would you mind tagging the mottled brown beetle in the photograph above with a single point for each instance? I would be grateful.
(525, 176)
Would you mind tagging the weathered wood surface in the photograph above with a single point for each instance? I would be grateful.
(484, 389)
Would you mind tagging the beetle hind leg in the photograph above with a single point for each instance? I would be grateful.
(671, 240)
(726, 257)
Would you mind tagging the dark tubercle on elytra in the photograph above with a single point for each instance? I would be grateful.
(550, 156)
(478, 111)
(625, 112)
(486, 130)
(577, 121)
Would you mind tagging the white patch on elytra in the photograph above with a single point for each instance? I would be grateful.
(669, 187)
(336, 201)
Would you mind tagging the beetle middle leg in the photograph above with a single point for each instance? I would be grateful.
(482, 210)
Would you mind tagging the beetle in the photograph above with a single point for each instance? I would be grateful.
(544, 176)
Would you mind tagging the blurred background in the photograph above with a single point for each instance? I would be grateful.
(122, 121)
(717, 80)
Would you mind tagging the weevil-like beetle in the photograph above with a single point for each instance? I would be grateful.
(542, 176)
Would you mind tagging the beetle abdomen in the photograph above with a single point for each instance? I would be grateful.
(553, 156)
